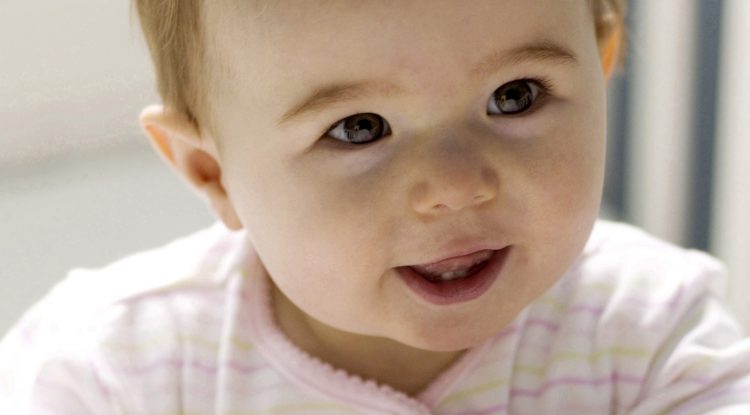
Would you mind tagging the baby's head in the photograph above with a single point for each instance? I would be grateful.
(354, 139)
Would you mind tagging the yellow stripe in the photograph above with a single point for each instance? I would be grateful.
(465, 393)
(280, 409)
(595, 357)
(541, 371)
(530, 370)
(602, 287)
(164, 341)
(558, 306)
(285, 409)
(561, 306)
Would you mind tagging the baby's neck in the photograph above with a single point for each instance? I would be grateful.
(403, 368)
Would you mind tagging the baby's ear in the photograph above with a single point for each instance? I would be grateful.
(610, 49)
(177, 140)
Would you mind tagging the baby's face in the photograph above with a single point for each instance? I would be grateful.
(478, 127)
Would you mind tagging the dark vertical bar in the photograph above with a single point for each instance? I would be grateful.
(708, 38)
(614, 184)
(619, 128)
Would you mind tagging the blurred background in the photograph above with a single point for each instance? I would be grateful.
(81, 187)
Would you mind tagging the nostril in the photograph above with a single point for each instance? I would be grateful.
(482, 198)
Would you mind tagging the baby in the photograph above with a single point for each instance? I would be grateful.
(408, 195)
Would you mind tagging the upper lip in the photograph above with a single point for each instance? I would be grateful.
(460, 249)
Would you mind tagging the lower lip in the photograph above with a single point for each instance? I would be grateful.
(459, 290)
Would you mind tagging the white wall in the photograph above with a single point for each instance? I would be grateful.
(79, 184)
(72, 77)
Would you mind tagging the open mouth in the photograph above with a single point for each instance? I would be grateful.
(463, 267)
(456, 280)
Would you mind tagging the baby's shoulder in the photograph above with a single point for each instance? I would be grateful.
(628, 257)
(626, 278)
(145, 315)
(636, 322)
(155, 289)
(185, 267)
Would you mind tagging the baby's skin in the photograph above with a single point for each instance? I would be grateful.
(355, 141)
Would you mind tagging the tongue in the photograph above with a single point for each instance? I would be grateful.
(453, 264)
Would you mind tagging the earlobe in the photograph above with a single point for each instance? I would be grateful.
(610, 50)
(179, 144)
(163, 126)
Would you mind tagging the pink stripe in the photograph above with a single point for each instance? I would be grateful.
(585, 308)
(510, 331)
(99, 381)
(497, 409)
(670, 305)
(576, 381)
(212, 295)
(215, 303)
(632, 301)
(247, 392)
(156, 322)
(199, 366)
(547, 324)
(515, 329)
(196, 389)
(550, 325)
(574, 407)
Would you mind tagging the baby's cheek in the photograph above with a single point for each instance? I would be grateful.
(576, 189)
(577, 158)
(566, 181)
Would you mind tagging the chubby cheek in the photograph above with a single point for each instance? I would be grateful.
(320, 237)
(561, 182)
(570, 187)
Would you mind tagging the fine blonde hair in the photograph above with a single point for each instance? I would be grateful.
(174, 33)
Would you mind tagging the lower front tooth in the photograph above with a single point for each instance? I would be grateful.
(452, 275)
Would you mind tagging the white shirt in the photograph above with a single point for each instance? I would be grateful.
(636, 326)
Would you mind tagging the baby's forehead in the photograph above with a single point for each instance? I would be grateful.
(374, 16)
(284, 24)
(283, 50)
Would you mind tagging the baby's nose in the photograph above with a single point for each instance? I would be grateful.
(453, 178)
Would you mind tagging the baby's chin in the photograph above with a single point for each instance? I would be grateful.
(449, 339)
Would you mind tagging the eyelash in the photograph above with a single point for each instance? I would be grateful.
(546, 90)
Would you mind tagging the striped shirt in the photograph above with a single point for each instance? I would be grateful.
(636, 326)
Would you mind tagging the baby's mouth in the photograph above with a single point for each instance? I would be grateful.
(457, 279)
(454, 268)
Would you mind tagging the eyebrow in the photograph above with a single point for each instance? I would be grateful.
(545, 51)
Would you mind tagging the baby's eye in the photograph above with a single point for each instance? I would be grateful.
(359, 129)
(515, 97)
